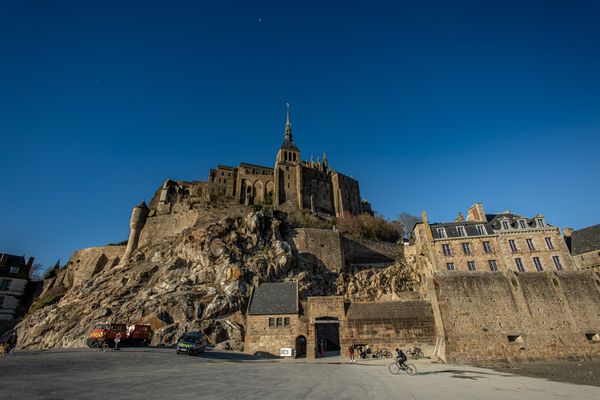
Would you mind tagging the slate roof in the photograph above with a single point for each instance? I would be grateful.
(452, 232)
(585, 240)
(274, 298)
(494, 220)
(390, 311)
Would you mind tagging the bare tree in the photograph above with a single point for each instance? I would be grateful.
(37, 272)
(407, 221)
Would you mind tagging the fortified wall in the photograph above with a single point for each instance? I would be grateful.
(517, 316)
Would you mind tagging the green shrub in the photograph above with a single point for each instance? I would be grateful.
(303, 219)
(43, 302)
(369, 227)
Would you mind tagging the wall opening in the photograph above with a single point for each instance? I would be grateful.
(593, 337)
(300, 347)
(555, 281)
(515, 339)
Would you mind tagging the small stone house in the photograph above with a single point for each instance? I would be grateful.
(584, 245)
(273, 320)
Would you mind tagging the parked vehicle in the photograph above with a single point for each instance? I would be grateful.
(382, 353)
(104, 334)
(191, 343)
(415, 352)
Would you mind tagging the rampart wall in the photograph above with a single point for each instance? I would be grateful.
(518, 316)
(323, 244)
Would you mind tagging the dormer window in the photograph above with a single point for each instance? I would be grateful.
(505, 225)
(522, 224)
(441, 232)
(460, 230)
(480, 229)
(540, 223)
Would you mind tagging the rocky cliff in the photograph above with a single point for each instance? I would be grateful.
(198, 280)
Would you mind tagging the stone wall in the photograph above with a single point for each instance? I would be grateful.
(389, 325)
(324, 245)
(589, 260)
(87, 262)
(517, 317)
(361, 251)
(262, 338)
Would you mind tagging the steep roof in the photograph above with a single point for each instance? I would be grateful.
(274, 298)
(585, 240)
(452, 232)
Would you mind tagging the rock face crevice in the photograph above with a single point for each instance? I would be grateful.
(201, 279)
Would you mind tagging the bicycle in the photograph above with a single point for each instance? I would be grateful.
(415, 353)
(396, 367)
(382, 353)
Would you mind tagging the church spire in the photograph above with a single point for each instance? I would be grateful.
(288, 125)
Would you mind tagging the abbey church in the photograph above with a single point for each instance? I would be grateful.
(292, 184)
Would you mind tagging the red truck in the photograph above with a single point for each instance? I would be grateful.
(104, 334)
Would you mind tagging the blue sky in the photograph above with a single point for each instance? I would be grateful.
(430, 105)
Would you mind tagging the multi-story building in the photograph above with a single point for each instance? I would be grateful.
(292, 184)
(584, 245)
(493, 242)
(14, 277)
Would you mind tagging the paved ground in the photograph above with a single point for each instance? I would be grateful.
(161, 374)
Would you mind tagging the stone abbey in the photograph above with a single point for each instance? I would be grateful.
(292, 184)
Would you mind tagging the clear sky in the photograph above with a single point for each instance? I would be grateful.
(431, 106)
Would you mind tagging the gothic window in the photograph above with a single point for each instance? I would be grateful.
(446, 250)
(487, 247)
(493, 265)
(519, 264)
(549, 243)
(466, 248)
(450, 266)
(538, 264)
(530, 244)
(513, 245)
(557, 263)
(471, 265)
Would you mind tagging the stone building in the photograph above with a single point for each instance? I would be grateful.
(276, 319)
(584, 245)
(494, 242)
(291, 184)
(503, 287)
(14, 277)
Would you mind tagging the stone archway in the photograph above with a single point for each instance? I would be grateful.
(259, 193)
(301, 346)
(327, 336)
(269, 192)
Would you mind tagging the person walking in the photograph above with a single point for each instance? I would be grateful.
(351, 352)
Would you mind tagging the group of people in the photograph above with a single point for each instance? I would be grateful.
(363, 350)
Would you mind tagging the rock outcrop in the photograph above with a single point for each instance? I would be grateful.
(199, 280)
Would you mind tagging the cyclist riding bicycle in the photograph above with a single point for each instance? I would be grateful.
(400, 357)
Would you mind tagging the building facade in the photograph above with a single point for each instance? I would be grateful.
(291, 184)
(584, 245)
(14, 277)
(494, 243)
(277, 320)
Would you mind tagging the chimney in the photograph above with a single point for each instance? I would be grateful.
(30, 262)
(567, 232)
(459, 217)
(476, 213)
